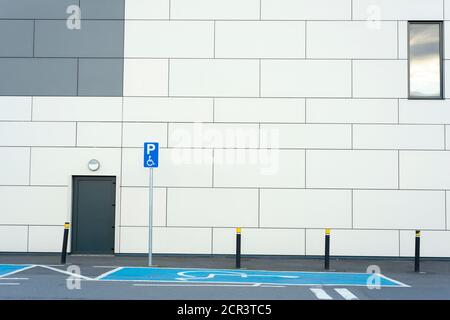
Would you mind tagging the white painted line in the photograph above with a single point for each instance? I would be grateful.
(272, 286)
(321, 294)
(14, 279)
(65, 272)
(194, 285)
(10, 284)
(108, 273)
(17, 271)
(346, 294)
(395, 281)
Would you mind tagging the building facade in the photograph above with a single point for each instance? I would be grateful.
(283, 117)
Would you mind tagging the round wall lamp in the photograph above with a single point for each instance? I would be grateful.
(94, 165)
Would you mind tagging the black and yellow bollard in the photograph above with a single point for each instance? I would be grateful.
(238, 248)
(65, 240)
(417, 253)
(327, 249)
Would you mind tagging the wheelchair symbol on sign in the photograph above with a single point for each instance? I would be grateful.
(150, 162)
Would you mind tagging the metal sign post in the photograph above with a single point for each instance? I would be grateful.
(151, 157)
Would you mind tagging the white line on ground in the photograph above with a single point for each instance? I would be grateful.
(346, 294)
(321, 294)
(194, 285)
(65, 272)
(14, 279)
(10, 284)
(16, 271)
(108, 273)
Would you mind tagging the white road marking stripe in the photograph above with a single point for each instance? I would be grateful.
(66, 272)
(193, 285)
(14, 279)
(103, 275)
(346, 294)
(16, 271)
(321, 294)
(10, 284)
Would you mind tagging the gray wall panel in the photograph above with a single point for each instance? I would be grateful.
(100, 77)
(40, 56)
(94, 39)
(25, 76)
(16, 38)
(102, 9)
(35, 9)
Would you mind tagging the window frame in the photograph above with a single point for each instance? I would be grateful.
(441, 60)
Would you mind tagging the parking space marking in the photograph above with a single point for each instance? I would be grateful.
(346, 294)
(10, 284)
(285, 278)
(321, 294)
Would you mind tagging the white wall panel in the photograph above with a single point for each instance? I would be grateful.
(398, 10)
(99, 134)
(305, 208)
(13, 238)
(15, 108)
(392, 209)
(306, 9)
(168, 109)
(147, 9)
(45, 238)
(166, 240)
(351, 169)
(260, 241)
(311, 136)
(134, 207)
(213, 135)
(351, 110)
(354, 242)
(425, 111)
(215, 9)
(37, 134)
(262, 39)
(259, 168)
(15, 166)
(380, 78)
(212, 207)
(259, 110)
(220, 78)
(432, 243)
(135, 134)
(169, 39)
(305, 78)
(351, 39)
(424, 170)
(398, 137)
(145, 77)
(33, 205)
(77, 109)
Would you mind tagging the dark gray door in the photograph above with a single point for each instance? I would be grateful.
(93, 215)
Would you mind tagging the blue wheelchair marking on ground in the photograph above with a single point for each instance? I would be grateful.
(8, 268)
(247, 276)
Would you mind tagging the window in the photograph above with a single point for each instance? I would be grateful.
(425, 60)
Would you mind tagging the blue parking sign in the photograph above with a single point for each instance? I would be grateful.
(151, 154)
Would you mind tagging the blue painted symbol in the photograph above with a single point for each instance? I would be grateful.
(151, 155)
(246, 277)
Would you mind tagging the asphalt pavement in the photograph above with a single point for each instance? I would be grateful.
(38, 277)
